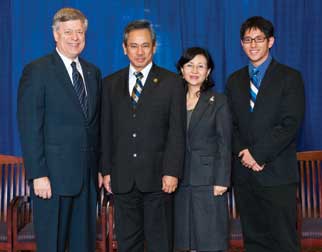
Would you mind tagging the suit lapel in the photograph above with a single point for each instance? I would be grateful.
(203, 103)
(91, 87)
(151, 83)
(265, 83)
(64, 79)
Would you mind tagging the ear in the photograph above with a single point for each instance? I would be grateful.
(271, 41)
(55, 33)
(154, 48)
(181, 69)
(124, 49)
(208, 72)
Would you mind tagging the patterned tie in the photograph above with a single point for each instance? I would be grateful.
(254, 85)
(137, 90)
(79, 88)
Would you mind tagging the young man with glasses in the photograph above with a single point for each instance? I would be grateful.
(267, 104)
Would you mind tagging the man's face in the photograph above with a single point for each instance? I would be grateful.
(70, 38)
(139, 48)
(257, 52)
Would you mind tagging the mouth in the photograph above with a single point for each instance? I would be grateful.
(141, 60)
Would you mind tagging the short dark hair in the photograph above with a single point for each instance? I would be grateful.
(188, 55)
(257, 22)
(137, 25)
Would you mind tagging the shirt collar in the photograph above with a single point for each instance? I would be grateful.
(261, 68)
(67, 61)
(145, 71)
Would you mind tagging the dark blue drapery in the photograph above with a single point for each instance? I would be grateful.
(26, 34)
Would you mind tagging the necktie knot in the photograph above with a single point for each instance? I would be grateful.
(254, 72)
(138, 75)
(73, 64)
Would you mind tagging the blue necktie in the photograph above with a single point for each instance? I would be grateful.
(79, 88)
(137, 89)
(254, 85)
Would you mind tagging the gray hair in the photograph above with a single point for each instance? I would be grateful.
(66, 14)
(137, 25)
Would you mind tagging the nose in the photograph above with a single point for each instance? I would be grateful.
(195, 69)
(139, 50)
(253, 43)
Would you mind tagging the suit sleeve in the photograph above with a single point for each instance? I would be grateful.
(106, 130)
(175, 144)
(222, 169)
(285, 130)
(30, 113)
(237, 144)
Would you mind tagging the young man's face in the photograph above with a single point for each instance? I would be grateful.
(139, 48)
(257, 52)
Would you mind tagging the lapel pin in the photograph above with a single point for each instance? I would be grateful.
(156, 80)
(212, 99)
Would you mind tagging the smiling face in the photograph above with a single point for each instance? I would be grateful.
(257, 52)
(196, 71)
(70, 38)
(139, 48)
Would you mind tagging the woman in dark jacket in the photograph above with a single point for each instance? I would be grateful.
(201, 211)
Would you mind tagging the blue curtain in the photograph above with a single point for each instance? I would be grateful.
(26, 35)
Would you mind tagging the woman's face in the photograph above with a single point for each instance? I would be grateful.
(195, 71)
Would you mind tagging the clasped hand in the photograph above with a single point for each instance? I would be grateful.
(248, 161)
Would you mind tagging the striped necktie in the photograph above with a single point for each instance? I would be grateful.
(254, 85)
(137, 89)
(79, 88)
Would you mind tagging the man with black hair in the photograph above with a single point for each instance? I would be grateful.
(143, 142)
(267, 104)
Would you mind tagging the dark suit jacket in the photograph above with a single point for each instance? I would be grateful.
(208, 151)
(270, 131)
(57, 140)
(143, 145)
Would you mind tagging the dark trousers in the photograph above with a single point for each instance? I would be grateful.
(66, 222)
(268, 217)
(144, 220)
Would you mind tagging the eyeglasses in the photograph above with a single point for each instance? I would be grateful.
(249, 40)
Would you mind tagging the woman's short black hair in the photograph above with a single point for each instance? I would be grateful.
(188, 55)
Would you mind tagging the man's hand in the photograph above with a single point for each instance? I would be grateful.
(169, 183)
(248, 161)
(107, 183)
(100, 180)
(219, 190)
(42, 187)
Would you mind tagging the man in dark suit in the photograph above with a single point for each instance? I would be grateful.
(267, 103)
(58, 104)
(143, 136)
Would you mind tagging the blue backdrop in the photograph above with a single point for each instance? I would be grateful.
(26, 34)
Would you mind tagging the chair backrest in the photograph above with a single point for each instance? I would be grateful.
(233, 213)
(12, 183)
(310, 189)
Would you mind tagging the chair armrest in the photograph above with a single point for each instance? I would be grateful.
(21, 213)
(111, 237)
(299, 218)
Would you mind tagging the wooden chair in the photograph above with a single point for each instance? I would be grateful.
(236, 237)
(11, 185)
(112, 243)
(310, 195)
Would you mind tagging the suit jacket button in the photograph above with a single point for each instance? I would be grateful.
(135, 155)
(134, 135)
